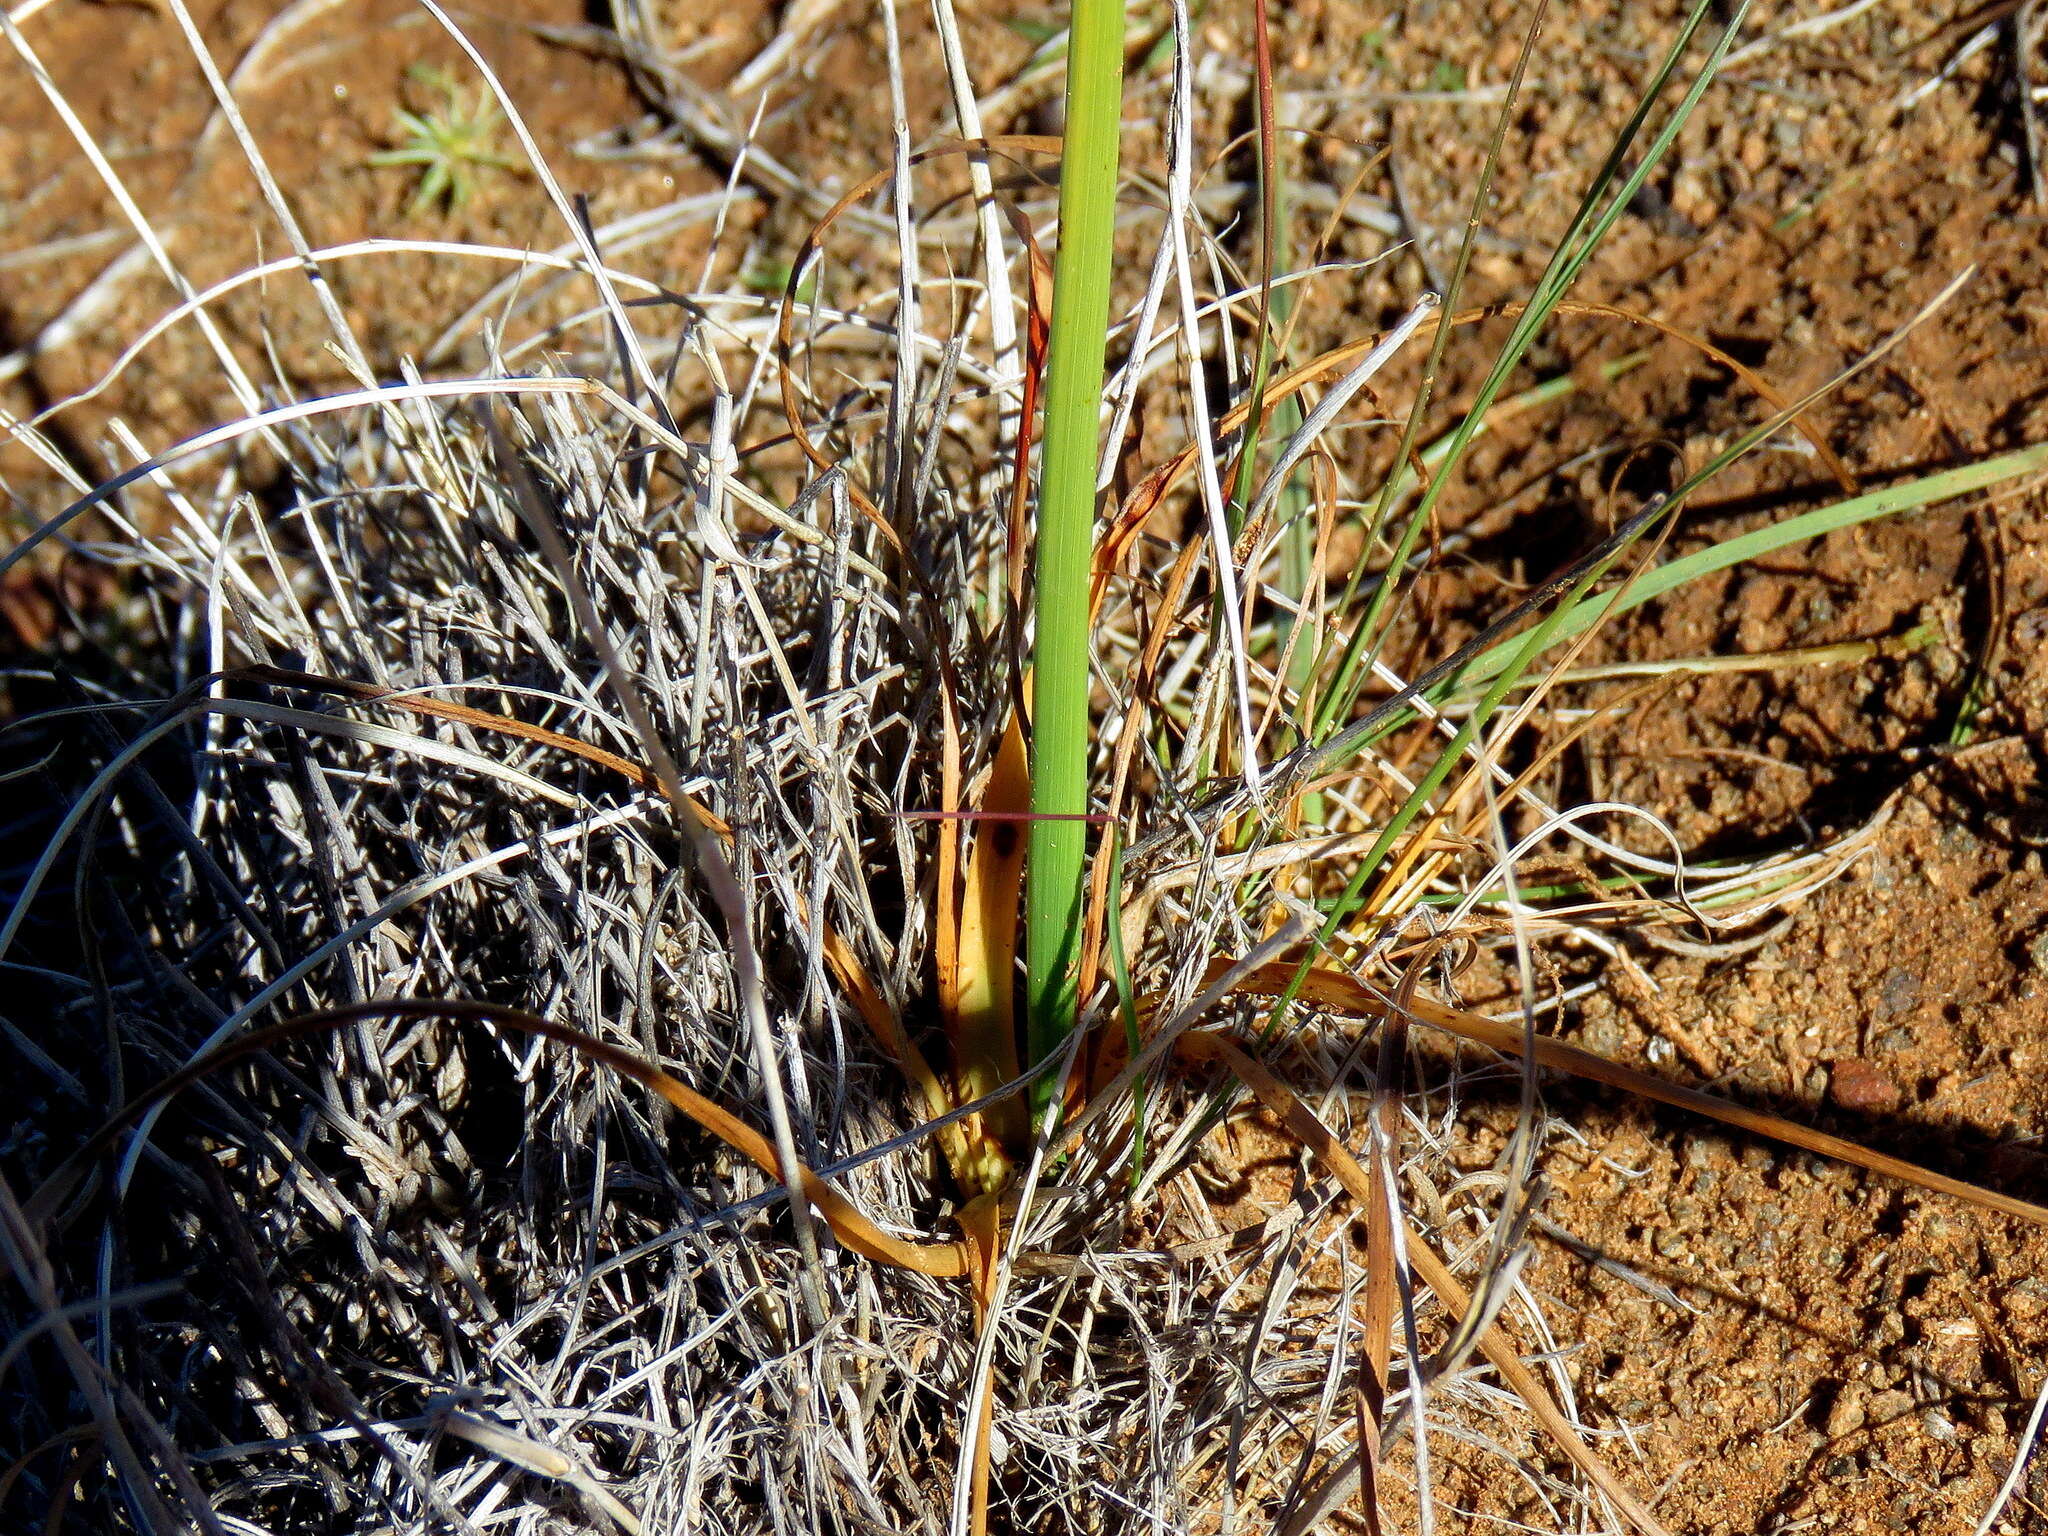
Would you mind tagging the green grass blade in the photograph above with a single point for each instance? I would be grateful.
(1602, 205)
(1066, 524)
(1524, 651)
(1912, 496)
(1577, 613)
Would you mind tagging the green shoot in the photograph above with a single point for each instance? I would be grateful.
(1446, 77)
(1066, 526)
(451, 143)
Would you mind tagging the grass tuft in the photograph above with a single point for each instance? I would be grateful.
(630, 675)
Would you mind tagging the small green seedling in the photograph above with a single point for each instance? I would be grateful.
(772, 277)
(451, 142)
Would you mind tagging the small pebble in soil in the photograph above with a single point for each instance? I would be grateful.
(1899, 993)
(1857, 1084)
(1846, 1415)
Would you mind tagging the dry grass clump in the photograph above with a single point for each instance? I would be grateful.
(325, 1262)
(567, 683)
